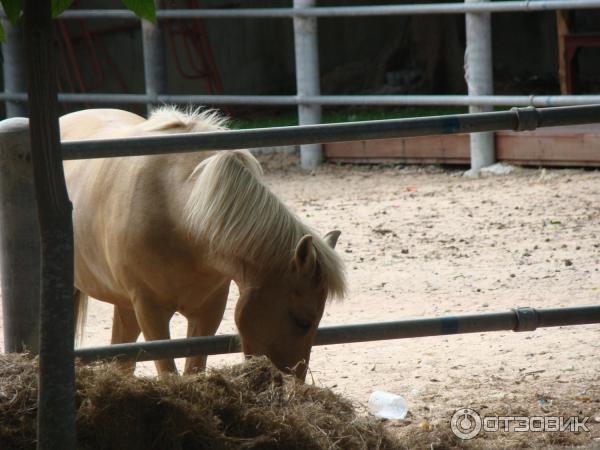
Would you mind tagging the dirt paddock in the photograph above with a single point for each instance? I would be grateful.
(422, 242)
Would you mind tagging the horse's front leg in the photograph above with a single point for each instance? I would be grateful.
(205, 322)
(125, 329)
(154, 319)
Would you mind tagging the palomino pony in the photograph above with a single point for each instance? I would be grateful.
(160, 234)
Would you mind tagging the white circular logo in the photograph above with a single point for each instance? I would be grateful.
(466, 423)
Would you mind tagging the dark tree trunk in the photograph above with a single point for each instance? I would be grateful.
(56, 413)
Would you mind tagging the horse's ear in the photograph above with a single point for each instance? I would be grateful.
(305, 256)
(332, 237)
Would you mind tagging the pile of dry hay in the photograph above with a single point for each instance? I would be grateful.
(250, 406)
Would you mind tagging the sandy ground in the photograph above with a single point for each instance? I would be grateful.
(421, 242)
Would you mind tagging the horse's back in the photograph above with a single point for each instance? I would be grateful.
(97, 123)
(94, 124)
(90, 181)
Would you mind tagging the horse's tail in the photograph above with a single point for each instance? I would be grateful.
(80, 309)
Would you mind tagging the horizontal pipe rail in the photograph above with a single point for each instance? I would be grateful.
(518, 319)
(338, 11)
(326, 100)
(517, 119)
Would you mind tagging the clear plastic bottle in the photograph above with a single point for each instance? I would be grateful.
(387, 405)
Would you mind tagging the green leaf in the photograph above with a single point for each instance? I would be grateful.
(142, 8)
(2, 35)
(13, 9)
(59, 6)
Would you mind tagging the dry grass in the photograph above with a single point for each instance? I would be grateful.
(249, 406)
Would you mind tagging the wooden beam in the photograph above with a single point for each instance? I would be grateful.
(574, 146)
(56, 405)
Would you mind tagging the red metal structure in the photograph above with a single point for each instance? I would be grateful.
(193, 58)
(187, 40)
(96, 56)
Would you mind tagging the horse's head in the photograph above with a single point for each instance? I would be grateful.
(279, 316)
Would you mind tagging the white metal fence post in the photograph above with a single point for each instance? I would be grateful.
(19, 239)
(307, 79)
(478, 74)
(155, 65)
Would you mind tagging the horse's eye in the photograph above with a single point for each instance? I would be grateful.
(303, 324)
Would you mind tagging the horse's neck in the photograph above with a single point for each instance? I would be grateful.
(182, 167)
(244, 273)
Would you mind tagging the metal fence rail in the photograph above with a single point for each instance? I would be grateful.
(339, 11)
(518, 319)
(518, 119)
(324, 100)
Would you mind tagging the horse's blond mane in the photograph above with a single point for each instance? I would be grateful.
(171, 119)
(236, 213)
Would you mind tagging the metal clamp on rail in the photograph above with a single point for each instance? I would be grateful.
(527, 319)
(527, 118)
